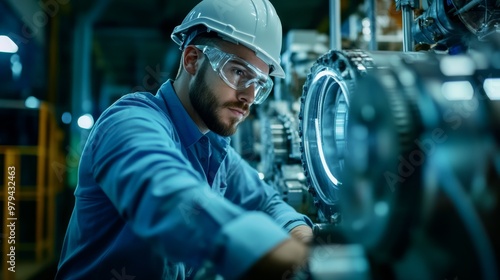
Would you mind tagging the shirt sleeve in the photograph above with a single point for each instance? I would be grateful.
(245, 188)
(152, 185)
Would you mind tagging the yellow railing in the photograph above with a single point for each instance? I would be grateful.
(49, 183)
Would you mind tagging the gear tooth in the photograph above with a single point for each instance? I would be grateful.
(311, 191)
(403, 120)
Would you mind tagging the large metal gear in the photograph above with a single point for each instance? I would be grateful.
(381, 131)
(323, 116)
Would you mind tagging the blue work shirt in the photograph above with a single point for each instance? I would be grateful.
(155, 197)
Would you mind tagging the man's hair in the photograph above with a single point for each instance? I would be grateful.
(209, 38)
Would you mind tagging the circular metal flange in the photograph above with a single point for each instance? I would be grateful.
(323, 121)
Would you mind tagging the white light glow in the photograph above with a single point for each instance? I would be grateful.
(301, 176)
(492, 88)
(86, 121)
(458, 65)
(365, 22)
(7, 45)
(261, 175)
(460, 90)
(16, 66)
(32, 102)
(15, 58)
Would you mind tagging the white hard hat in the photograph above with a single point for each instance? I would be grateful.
(252, 23)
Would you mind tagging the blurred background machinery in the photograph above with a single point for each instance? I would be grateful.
(421, 178)
(401, 151)
(453, 24)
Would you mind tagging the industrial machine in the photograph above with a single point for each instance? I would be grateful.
(395, 155)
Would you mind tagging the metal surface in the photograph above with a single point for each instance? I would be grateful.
(340, 262)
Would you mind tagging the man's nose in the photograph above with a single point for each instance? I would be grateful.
(247, 95)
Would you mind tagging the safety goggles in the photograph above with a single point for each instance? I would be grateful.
(238, 73)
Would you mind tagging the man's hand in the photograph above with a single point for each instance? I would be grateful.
(282, 262)
(302, 233)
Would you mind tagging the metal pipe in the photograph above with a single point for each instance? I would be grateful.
(335, 32)
(41, 187)
(407, 27)
(81, 96)
(373, 25)
(467, 7)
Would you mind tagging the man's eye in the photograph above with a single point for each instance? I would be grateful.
(239, 72)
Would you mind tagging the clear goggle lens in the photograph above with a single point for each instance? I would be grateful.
(238, 73)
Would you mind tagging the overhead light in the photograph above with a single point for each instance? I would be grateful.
(86, 121)
(7, 45)
(492, 88)
(457, 65)
(32, 102)
(16, 66)
(457, 90)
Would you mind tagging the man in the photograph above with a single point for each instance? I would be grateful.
(161, 194)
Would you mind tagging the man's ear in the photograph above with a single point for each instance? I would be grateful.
(191, 59)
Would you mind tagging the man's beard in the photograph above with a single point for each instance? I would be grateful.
(205, 103)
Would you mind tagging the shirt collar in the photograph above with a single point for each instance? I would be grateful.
(187, 129)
